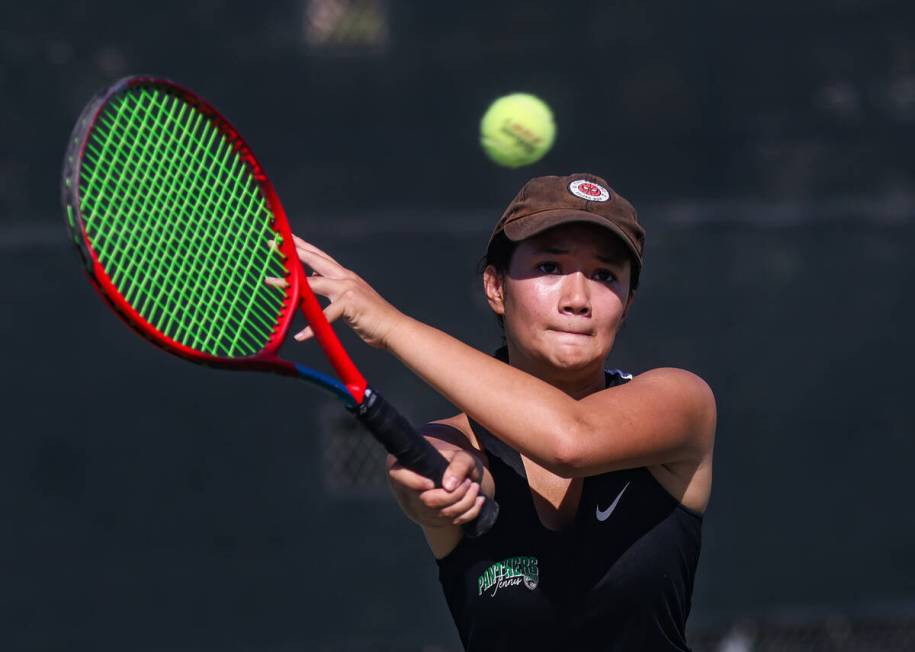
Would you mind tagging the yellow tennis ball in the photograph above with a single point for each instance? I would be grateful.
(517, 130)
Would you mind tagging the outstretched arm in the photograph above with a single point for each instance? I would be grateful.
(662, 416)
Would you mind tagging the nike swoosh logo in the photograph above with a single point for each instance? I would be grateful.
(604, 515)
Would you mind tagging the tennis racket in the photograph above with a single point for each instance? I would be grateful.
(178, 226)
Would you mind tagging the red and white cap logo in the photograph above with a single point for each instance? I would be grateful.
(589, 190)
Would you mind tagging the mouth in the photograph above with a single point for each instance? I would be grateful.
(571, 332)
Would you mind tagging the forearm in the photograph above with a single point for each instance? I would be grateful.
(441, 537)
(528, 414)
(408, 503)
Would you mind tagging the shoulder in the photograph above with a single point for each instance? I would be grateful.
(680, 391)
(681, 380)
(681, 405)
(673, 408)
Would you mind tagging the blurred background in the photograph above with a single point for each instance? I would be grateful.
(147, 504)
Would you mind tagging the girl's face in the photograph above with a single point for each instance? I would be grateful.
(564, 297)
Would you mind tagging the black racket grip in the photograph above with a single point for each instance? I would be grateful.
(413, 451)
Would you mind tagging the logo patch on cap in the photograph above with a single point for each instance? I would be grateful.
(589, 190)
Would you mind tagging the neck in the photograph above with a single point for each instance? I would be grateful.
(577, 384)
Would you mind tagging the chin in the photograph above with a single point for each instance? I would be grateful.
(579, 357)
(574, 360)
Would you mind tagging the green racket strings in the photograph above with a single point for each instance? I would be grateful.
(179, 224)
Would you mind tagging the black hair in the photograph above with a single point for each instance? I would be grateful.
(499, 255)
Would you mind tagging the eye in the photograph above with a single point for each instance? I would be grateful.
(605, 276)
(548, 267)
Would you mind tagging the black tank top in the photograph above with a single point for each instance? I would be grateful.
(619, 577)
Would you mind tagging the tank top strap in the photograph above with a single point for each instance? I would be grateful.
(614, 377)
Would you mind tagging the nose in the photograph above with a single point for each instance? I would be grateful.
(575, 299)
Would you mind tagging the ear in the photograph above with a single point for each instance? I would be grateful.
(493, 285)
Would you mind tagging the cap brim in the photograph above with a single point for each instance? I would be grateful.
(531, 225)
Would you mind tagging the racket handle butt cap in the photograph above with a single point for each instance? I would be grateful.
(483, 523)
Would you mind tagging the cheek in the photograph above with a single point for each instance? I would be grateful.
(529, 299)
(611, 309)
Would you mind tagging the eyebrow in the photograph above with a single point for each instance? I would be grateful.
(552, 249)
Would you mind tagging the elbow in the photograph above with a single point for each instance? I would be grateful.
(573, 452)
(567, 454)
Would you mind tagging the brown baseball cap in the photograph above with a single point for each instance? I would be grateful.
(545, 202)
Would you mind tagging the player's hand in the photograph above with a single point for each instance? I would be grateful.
(363, 309)
(458, 502)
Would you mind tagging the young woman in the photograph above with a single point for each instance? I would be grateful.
(601, 477)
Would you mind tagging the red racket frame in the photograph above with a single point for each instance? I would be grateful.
(375, 413)
(298, 292)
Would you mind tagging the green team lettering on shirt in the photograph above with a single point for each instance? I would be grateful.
(509, 572)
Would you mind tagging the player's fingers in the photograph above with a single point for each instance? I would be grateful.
(438, 498)
(327, 265)
(323, 263)
(472, 513)
(464, 504)
(276, 281)
(273, 246)
(331, 313)
(462, 465)
(304, 334)
(302, 244)
(323, 266)
(329, 287)
(408, 479)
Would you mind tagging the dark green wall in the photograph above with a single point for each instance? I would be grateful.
(148, 504)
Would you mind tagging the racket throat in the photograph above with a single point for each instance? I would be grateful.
(345, 393)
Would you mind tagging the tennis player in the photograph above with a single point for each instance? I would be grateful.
(602, 477)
